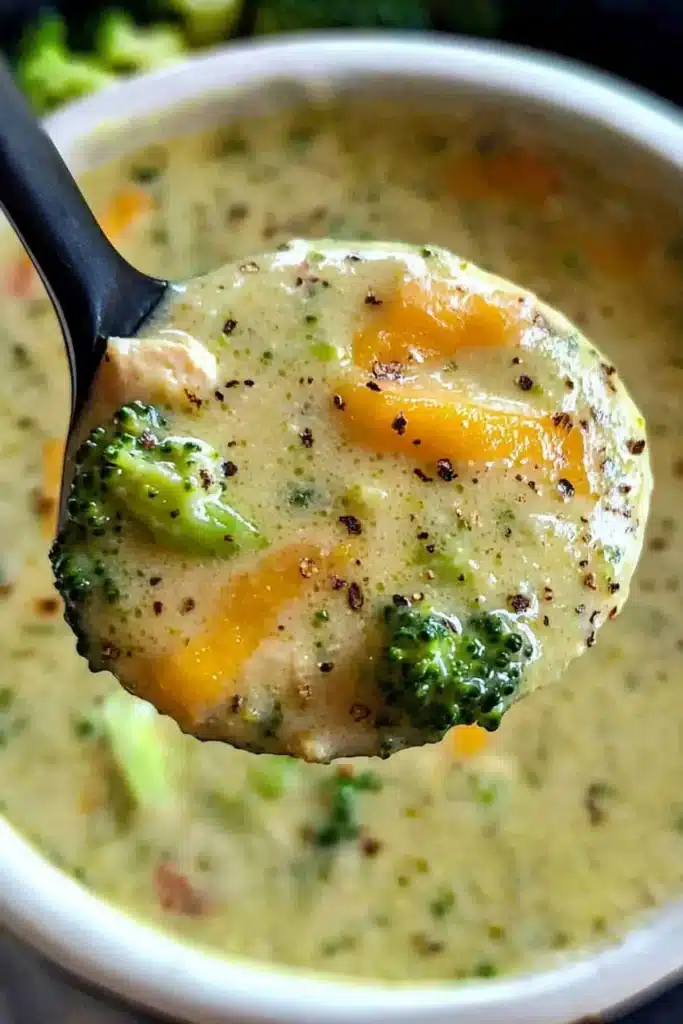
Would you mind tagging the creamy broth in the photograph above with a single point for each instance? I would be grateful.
(453, 863)
(435, 447)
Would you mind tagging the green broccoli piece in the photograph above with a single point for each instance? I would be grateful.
(294, 15)
(133, 732)
(48, 72)
(437, 675)
(124, 46)
(174, 486)
(340, 792)
(207, 21)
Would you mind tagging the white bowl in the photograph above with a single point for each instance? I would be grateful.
(104, 945)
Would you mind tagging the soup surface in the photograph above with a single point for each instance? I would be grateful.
(465, 858)
(373, 556)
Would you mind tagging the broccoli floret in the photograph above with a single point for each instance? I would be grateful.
(293, 15)
(133, 470)
(173, 485)
(124, 46)
(340, 793)
(438, 674)
(140, 751)
(49, 72)
(207, 21)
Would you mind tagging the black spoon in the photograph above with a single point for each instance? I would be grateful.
(95, 292)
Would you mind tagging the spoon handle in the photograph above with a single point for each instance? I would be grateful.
(96, 293)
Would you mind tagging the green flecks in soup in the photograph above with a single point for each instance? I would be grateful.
(567, 820)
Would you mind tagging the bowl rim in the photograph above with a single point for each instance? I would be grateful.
(107, 947)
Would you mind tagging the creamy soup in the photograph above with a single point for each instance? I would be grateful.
(370, 556)
(466, 858)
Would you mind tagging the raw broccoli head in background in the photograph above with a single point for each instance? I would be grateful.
(49, 72)
(293, 15)
(437, 676)
(124, 46)
(133, 471)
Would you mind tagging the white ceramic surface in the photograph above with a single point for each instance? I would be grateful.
(100, 943)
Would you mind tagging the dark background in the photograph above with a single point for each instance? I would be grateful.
(641, 40)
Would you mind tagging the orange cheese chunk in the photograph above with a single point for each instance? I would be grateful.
(423, 323)
(122, 211)
(193, 680)
(466, 740)
(431, 423)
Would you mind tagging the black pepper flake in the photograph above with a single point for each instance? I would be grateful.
(423, 535)
(154, 581)
(546, 620)
(157, 607)
(421, 475)
(326, 666)
(400, 601)
(519, 602)
(580, 609)
(205, 478)
(430, 548)
(563, 420)
(306, 437)
(445, 471)
(187, 605)
(399, 424)
(569, 383)
(174, 513)
(352, 524)
(338, 401)
(229, 468)
(249, 383)
(516, 360)
(373, 386)
(594, 616)
(229, 326)
(355, 597)
(525, 382)
(591, 639)
(565, 487)
(387, 371)
(219, 396)
(590, 580)
(372, 300)
(231, 383)
(193, 399)
(614, 587)
(370, 846)
(636, 447)
(337, 582)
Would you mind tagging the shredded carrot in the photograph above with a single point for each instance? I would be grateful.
(53, 461)
(196, 678)
(122, 211)
(513, 172)
(432, 423)
(422, 322)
